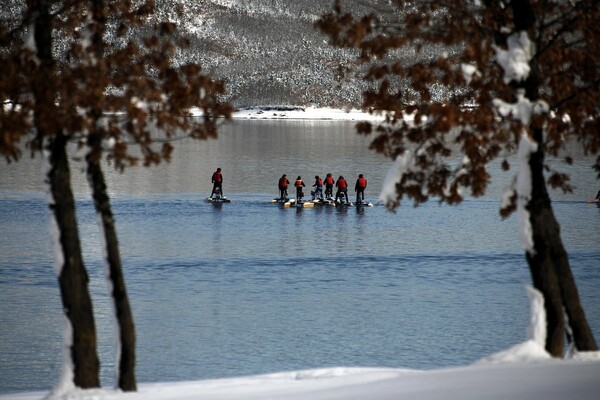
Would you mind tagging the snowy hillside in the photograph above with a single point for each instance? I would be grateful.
(268, 51)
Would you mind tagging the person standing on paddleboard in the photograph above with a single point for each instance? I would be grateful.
(283, 185)
(329, 181)
(217, 181)
(318, 192)
(359, 188)
(299, 184)
(342, 190)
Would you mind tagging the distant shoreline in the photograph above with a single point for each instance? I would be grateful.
(300, 113)
(304, 113)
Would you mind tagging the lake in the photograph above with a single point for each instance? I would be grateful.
(251, 287)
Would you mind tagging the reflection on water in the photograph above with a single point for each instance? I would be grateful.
(254, 154)
(251, 287)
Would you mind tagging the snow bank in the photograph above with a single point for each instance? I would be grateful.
(552, 380)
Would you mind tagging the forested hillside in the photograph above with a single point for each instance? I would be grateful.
(268, 51)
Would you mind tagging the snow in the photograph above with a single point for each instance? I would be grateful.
(515, 60)
(515, 63)
(526, 148)
(532, 349)
(522, 110)
(524, 371)
(401, 165)
(29, 43)
(469, 72)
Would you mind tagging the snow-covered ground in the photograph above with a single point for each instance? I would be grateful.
(533, 380)
(525, 371)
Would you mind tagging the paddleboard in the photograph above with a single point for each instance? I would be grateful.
(289, 203)
(304, 204)
(319, 202)
(217, 200)
(594, 201)
(300, 204)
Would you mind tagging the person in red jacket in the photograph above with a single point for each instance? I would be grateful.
(329, 182)
(217, 180)
(299, 184)
(318, 192)
(342, 189)
(283, 184)
(359, 188)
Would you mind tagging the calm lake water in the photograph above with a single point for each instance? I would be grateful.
(250, 287)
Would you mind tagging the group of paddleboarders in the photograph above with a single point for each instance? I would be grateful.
(329, 182)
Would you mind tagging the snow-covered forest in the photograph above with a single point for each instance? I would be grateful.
(267, 51)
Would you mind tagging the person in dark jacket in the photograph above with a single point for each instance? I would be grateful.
(217, 181)
(359, 188)
(283, 185)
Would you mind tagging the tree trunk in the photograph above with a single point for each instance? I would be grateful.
(72, 275)
(549, 266)
(126, 328)
(582, 333)
(547, 245)
(73, 278)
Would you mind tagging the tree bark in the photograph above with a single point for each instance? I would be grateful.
(547, 246)
(73, 278)
(549, 266)
(126, 328)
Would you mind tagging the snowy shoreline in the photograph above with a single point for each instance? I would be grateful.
(300, 113)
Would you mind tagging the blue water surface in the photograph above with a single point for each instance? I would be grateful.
(251, 287)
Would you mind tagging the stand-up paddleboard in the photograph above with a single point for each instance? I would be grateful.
(280, 201)
(217, 200)
(289, 203)
(363, 204)
(321, 202)
(344, 204)
(591, 201)
(299, 204)
(324, 202)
